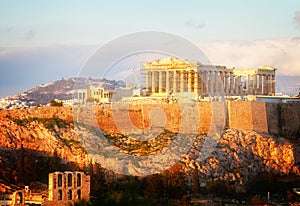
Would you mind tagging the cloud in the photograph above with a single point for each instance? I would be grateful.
(279, 53)
(30, 35)
(194, 25)
(297, 17)
(6, 30)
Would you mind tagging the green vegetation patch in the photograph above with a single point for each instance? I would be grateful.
(69, 142)
(48, 123)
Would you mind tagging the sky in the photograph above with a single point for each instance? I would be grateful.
(42, 41)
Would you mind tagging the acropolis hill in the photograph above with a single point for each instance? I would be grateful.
(250, 144)
(255, 137)
(171, 80)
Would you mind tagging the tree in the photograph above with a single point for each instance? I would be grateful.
(54, 164)
(174, 182)
(97, 180)
(196, 186)
(21, 167)
(153, 185)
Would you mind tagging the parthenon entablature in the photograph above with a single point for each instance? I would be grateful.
(178, 76)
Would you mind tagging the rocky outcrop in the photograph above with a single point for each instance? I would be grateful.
(239, 156)
(48, 130)
(236, 157)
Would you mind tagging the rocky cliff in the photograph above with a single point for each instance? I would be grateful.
(237, 158)
(241, 156)
(41, 129)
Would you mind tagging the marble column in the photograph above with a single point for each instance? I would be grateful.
(226, 83)
(167, 82)
(153, 82)
(211, 82)
(265, 85)
(147, 81)
(189, 81)
(273, 84)
(237, 79)
(254, 77)
(260, 84)
(217, 81)
(250, 85)
(201, 84)
(204, 82)
(222, 85)
(160, 87)
(231, 83)
(196, 83)
(175, 81)
(181, 81)
(238, 85)
(270, 84)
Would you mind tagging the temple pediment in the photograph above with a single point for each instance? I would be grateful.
(170, 62)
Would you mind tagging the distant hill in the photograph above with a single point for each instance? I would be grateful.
(64, 89)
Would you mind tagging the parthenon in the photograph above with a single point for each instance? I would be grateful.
(177, 76)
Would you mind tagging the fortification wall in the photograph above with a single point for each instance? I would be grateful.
(247, 115)
(274, 118)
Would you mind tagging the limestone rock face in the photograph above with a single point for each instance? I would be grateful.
(239, 156)
(47, 130)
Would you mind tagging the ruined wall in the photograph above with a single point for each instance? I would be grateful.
(283, 119)
(67, 187)
(247, 115)
(274, 118)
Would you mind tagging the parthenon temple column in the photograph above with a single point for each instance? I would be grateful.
(250, 84)
(265, 92)
(254, 77)
(226, 83)
(222, 86)
(181, 81)
(147, 81)
(236, 83)
(160, 83)
(260, 84)
(231, 82)
(201, 82)
(211, 82)
(204, 82)
(217, 82)
(241, 86)
(167, 82)
(189, 81)
(153, 82)
(174, 81)
(273, 84)
(196, 82)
